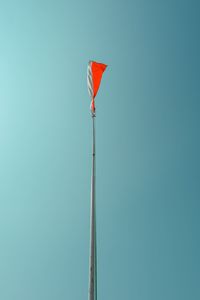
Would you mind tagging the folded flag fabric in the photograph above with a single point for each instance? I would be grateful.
(94, 74)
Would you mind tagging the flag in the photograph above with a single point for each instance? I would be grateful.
(94, 74)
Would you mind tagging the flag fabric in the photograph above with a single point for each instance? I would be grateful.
(94, 74)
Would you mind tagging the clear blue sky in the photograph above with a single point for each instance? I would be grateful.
(148, 165)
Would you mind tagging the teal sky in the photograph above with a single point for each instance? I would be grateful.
(148, 164)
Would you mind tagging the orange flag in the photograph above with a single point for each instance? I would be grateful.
(94, 75)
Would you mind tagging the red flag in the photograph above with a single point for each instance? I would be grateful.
(94, 75)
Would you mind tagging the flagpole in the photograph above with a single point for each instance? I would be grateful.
(94, 74)
(93, 253)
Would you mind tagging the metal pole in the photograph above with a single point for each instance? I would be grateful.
(93, 253)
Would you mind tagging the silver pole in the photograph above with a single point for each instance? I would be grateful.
(93, 253)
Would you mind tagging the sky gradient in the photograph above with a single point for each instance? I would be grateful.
(148, 165)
